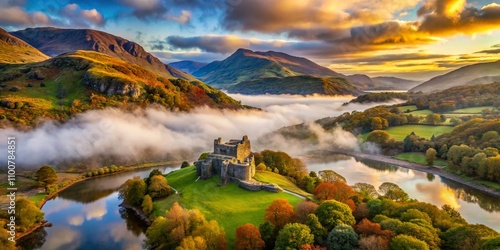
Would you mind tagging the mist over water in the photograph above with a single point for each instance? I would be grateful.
(138, 135)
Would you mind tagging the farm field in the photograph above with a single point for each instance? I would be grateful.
(474, 110)
(229, 205)
(408, 107)
(418, 158)
(425, 131)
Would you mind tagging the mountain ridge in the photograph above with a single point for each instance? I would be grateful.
(14, 50)
(470, 74)
(56, 41)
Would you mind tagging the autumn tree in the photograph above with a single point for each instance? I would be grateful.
(132, 191)
(430, 156)
(303, 209)
(279, 213)
(27, 213)
(379, 137)
(317, 229)
(46, 176)
(428, 235)
(342, 237)
(368, 191)
(338, 191)
(248, 238)
(191, 242)
(393, 192)
(331, 176)
(466, 236)
(268, 234)
(147, 205)
(367, 228)
(373, 242)
(294, 236)
(406, 242)
(332, 213)
(158, 187)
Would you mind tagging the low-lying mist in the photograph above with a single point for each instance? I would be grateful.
(154, 133)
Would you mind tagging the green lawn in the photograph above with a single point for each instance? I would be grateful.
(282, 181)
(418, 158)
(425, 131)
(423, 112)
(229, 205)
(473, 110)
(409, 107)
(37, 198)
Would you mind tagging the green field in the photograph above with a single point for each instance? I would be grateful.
(282, 181)
(409, 107)
(425, 131)
(419, 158)
(229, 205)
(423, 112)
(474, 110)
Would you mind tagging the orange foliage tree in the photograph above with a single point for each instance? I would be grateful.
(338, 191)
(248, 238)
(367, 228)
(279, 213)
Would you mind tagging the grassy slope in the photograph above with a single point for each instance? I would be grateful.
(229, 205)
(14, 50)
(474, 110)
(418, 158)
(409, 107)
(280, 180)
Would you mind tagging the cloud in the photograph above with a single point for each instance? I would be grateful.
(449, 17)
(183, 18)
(157, 133)
(495, 49)
(73, 15)
(17, 16)
(146, 9)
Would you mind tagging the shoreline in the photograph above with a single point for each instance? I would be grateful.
(420, 167)
(51, 196)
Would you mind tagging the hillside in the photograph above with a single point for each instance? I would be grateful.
(462, 76)
(244, 65)
(54, 41)
(389, 82)
(297, 85)
(14, 50)
(188, 66)
(83, 80)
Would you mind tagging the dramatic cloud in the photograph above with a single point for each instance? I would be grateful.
(17, 16)
(449, 17)
(183, 18)
(73, 15)
(144, 9)
(220, 44)
(131, 136)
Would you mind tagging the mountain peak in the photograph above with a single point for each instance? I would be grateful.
(56, 41)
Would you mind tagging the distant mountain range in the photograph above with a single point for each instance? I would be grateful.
(54, 41)
(188, 66)
(245, 68)
(15, 50)
(244, 65)
(480, 73)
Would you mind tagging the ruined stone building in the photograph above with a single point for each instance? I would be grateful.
(230, 160)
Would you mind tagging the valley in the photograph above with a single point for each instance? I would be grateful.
(250, 125)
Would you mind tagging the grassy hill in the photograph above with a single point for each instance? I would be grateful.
(246, 65)
(54, 41)
(229, 205)
(299, 85)
(75, 82)
(188, 66)
(14, 50)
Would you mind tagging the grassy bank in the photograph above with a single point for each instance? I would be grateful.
(229, 205)
(282, 181)
(418, 158)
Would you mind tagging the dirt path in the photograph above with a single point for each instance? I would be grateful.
(420, 167)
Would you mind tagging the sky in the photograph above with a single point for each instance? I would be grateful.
(415, 39)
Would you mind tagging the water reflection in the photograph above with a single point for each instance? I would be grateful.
(475, 206)
(87, 216)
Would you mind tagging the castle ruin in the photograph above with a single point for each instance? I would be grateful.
(232, 159)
